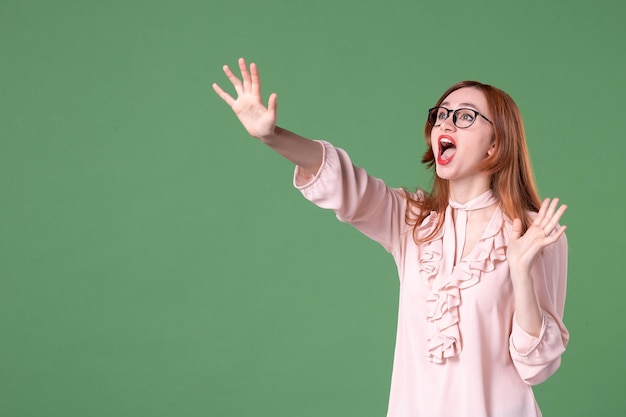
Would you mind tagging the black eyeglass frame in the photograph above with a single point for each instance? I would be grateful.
(454, 116)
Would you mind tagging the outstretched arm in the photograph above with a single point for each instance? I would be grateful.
(260, 120)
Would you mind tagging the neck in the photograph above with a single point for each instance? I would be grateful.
(464, 191)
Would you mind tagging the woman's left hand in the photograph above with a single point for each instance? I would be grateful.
(544, 230)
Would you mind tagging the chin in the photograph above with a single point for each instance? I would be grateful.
(441, 173)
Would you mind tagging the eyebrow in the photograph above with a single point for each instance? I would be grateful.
(461, 104)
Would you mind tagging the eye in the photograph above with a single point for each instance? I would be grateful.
(442, 114)
(466, 115)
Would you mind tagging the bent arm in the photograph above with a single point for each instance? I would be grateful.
(537, 356)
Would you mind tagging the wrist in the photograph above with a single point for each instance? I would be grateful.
(521, 277)
(519, 269)
(271, 136)
(522, 281)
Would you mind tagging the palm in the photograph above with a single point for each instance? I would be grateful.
(255, 117)
(544, 231)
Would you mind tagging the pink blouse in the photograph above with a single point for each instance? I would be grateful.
(459, 351)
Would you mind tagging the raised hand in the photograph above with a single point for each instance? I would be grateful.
(544, 230)
(256, 118)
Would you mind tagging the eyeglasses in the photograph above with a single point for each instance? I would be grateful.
(462, 118)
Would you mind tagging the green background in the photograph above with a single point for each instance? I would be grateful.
(155, 261)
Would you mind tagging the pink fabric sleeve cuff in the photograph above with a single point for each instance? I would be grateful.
(523, 343)
(301, 181)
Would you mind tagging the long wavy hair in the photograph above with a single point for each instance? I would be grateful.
(511, 182)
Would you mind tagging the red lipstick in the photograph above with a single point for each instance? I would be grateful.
(446, 147)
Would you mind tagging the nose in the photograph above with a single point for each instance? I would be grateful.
(448, 123)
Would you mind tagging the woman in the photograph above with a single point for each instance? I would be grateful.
(482, 261)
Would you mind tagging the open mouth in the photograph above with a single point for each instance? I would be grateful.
(447, 149)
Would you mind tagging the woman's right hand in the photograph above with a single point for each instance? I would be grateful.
(258, 120)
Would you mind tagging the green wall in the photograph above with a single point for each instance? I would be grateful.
(155, 261)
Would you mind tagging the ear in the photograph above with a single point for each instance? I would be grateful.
(492, 149)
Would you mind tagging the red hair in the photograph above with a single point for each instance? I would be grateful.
(511, 182)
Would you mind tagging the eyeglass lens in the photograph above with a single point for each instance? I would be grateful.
(461, 117)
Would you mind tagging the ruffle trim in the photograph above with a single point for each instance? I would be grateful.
(444, 299)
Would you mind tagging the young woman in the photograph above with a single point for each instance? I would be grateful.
(482, 261)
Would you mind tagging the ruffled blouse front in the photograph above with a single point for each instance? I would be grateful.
(446, 280)
(459, 351)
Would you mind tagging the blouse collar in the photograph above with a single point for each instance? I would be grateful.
(486, 199)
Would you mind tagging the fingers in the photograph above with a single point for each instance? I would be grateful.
(249, 82)
(223, 94)
(516, 232)
(255, 85)
(233, 79)
(549, 216)
(550, 239)
(245, 74)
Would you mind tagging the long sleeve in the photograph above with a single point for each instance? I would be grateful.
(471, 304)
(537, 358)
(356, 198)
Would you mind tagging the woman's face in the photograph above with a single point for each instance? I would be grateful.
(459, 151)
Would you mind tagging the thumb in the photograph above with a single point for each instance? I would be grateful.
(272, 104)
(517, 229)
